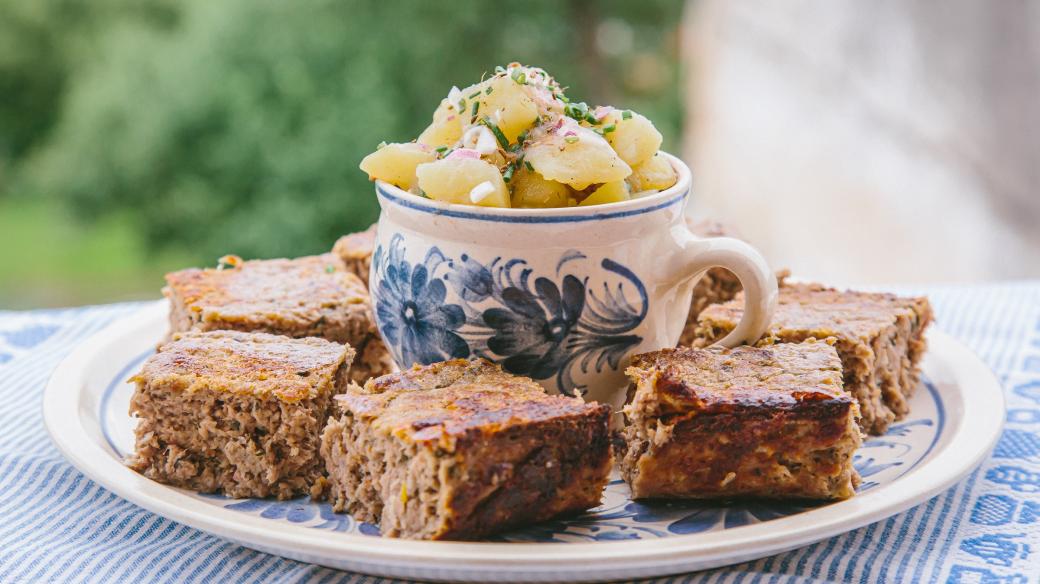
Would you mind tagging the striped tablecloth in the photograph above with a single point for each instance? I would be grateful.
(58, 526)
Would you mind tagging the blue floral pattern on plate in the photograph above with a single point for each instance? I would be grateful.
(541, 326)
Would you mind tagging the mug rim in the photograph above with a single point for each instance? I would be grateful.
(388, 193)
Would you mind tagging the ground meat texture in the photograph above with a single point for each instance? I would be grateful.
(238, 413)
(314, 296)
(355, 249)
(719, 423)
(716, 286)
(879, 337)
(461, 450)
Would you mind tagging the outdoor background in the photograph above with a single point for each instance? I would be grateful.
(850, 142)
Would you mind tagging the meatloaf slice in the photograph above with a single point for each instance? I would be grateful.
(460, 449)
(880, 339)
(236, 412)
(355, 249)
(314, 296)
(766, 422)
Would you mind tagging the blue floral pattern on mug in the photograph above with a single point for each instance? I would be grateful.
(413, 317)
(542, 326)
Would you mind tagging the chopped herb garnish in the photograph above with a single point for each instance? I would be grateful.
(529, 166)
(502, 140)
(570, 139)
(330, 269)
(489, 90)
(508, 174)
(610, 128)
(519, 76)
(626, 115)
(476, 106)
(580, 111)
(442, 149)
(423, 194)
(462, 105)
(474, 94)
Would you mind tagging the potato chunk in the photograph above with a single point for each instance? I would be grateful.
(446, 128)
(532, 190)
(655, 174)
(634, 138)
(579, 159)
(396, 163)
(612, 192)
(469, 181)
(509, 106)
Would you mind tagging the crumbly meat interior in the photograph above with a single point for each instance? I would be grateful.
(238, 413)
(355, 249)
(472, 461)
(718, 423)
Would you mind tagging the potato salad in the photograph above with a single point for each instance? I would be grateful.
(515, 140)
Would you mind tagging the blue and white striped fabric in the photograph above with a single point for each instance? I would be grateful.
(58, 526)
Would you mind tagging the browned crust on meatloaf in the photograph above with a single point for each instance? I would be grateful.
(717, 285)
(236, 412)
(355, 249)
(879, 337)
(312, 296)
(717, 423)
(460, 449)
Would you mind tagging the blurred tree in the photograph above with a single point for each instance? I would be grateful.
(42, 44)
(239, 127)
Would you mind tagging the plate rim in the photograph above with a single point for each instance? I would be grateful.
(968, 445)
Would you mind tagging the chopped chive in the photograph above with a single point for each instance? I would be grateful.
(529, 166)
(626, 115)
(610, 128)
(508, 174)
(519, 76)
(462, 105)
(442, 149)
(330, 269)
(489, 90)
(475, 94)
(423, 194)
(579, 110)
(570, 139)
(502, 140)
(476, 106)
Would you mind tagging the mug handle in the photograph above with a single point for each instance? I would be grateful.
(757, 279)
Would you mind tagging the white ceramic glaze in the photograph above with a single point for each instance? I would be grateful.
(85, 412)
(565, 295)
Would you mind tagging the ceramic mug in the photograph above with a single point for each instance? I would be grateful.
(565, 296)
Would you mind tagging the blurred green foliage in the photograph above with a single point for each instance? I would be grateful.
(237, 126)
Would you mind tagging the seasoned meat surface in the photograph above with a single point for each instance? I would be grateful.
(879, 337)
(719, 423)
(311, 296)
(461, 449)
(235, 412)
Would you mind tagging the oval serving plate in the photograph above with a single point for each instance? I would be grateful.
(85, 411)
